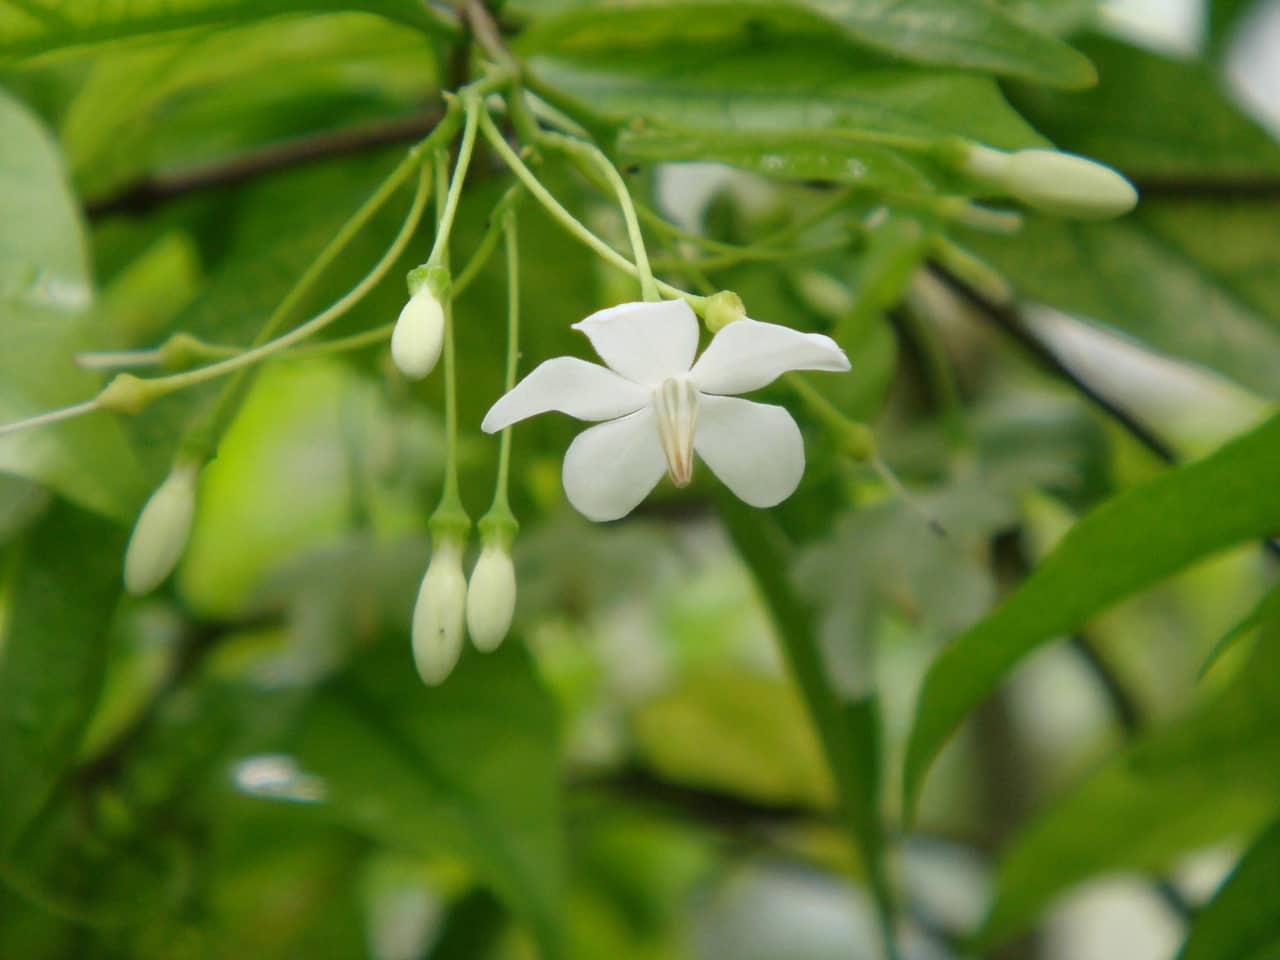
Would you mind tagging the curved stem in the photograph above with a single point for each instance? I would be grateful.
(178, 381)
(568, 220)
(590, 152)
(474, 107)
(51, 416)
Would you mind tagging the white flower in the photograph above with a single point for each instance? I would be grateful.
(491, 597)
(437, 616)
(161, 531)
(418, 335)
(661, 407)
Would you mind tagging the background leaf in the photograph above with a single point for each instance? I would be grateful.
(972, 34)
(52, 655)
(1240, 920)
(1130, 542)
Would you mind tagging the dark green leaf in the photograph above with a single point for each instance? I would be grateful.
(972, 34)
(1241, 922)
(1129, 543)
(469, 768)
(53, 654)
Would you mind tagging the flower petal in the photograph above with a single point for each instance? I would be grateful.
(584, 390)
(754, 448)
(645, 342)
(747, 355)
(612, 467)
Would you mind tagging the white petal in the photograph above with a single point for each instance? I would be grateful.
(754, 448)
(583, 390)
(645, 342)
(611, 468)
(747, 355)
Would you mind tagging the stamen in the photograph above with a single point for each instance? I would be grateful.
(675, 402)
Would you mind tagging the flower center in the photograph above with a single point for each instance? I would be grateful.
(675, 402)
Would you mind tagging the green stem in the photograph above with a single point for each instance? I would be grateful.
(745, 254)
(501, 504)
(474, 107)
(592, 154)
(568, 220)
(164, 385)
(489, 242)
(51, 416)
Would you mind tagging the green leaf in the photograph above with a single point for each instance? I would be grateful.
(971, 34)
(1187, 275)
(848, 727)
(1267, 609)
(1189, 279)
(469, 768)
(1130, 542)
(1240, 922)
(52, 654)
(1154, 117)
(816, 156)
(787, 89)
(1210, 775)
(45, 291)
(33, 27)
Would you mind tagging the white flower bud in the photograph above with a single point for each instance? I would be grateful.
(418, 336)
(437, 617)
(1055, 182)
(491, 597)
(160, 535)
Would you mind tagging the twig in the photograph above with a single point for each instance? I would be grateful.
(146, 194)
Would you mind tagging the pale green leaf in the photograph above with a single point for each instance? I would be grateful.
(1131, 542)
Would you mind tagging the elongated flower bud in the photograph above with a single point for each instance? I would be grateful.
(160, 535)
(418, 335)
(491, 597)
(437, 617)
(1061, 183)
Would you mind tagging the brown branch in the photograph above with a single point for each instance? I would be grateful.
(146, 194)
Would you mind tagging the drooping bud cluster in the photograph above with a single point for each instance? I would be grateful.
(161, 531)
(446, 600)
(1059, 183)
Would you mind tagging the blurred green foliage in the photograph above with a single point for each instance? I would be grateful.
(697, 739)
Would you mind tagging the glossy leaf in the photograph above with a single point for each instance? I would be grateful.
(53, 654)
(1240, 922)
(787, 88)
(39, 26)
(971, 34)
(1131, 542)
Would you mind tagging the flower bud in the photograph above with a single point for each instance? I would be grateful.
(722, 309)
(418, 336)
(437, 617)
(491, 597)
(1053, 181)
(160, 535)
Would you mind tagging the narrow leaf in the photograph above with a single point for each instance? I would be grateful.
(1129, 543)
(1241, 922)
